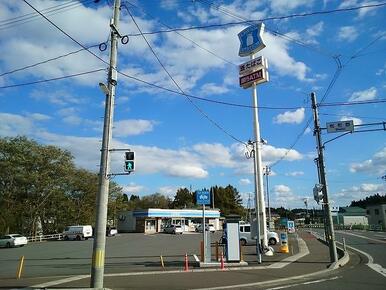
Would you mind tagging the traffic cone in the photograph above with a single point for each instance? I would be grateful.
(222, 267)
(186, 267)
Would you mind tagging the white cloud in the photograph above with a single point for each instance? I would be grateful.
(375, 165)
(215, 154)
(347, 33)
(281, 188)
(244, 181)
(132, 188)
(12, 125)
(284, 6)
(295, 173)
(361, 12)
(346, 195)
(39, 117)
(124, 128)
(365, 95)
(169, 191)
(290, 117)
(316, 29)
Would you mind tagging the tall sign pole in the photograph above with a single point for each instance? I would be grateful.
(252, 73)
(327, 211)
(98, 255)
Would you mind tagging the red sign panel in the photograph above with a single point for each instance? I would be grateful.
(247, 80)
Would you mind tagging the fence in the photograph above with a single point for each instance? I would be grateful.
(41, 238)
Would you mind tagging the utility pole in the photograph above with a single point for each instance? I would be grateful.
(267, 172)
(321, 168)
(98, 256)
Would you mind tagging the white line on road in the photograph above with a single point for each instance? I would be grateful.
(61, 281)
(363, 237)
(376, 267)
(305, 283)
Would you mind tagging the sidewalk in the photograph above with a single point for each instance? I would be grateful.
(173, 277)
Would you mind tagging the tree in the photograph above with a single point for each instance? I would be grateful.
(228, 200)
(370, 200)
(156, 200)
(183, 199)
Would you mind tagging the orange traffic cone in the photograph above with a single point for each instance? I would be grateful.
(186, 267)
(222, 267)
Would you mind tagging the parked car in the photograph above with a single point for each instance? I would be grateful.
(77, 232)
(13, 240)
(173, 229)
(111, 231)
(247, 239)
(208, 227)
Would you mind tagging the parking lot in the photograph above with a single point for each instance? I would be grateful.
(124, 252)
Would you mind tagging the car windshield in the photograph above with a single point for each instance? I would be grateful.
(17, 236)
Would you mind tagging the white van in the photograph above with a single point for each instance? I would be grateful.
(245, 236)
(77, 233)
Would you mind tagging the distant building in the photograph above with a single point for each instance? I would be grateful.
(352, 215)
(154, 220)
(377, 216)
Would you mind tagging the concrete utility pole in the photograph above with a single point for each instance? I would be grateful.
(267, 172)
(98, 256)
(257, 206)
(327, 211)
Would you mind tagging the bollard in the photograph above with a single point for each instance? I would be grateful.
(222, 266)
(162, 262)
(217, 254)
(20, 267)
(344, 244)
(202, 251)
(241, 253)
(186, 266)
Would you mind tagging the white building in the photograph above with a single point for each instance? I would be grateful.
(153, 220)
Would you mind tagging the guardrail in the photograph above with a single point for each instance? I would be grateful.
(345, 227)
(41, 238)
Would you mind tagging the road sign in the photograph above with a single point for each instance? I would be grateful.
(258, 77)
(342, 126)
(202, 197)
(251, 40)
(253, 65)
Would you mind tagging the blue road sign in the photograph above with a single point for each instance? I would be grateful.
(251, 40)
(202, 197)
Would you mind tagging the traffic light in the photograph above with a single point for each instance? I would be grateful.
(318, 195)
(129, 161)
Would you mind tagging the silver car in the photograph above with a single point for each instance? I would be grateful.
(12, 240)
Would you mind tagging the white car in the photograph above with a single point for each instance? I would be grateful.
(77, 233)
(173, 229)
(13, 240)
(208, 227)
(111, 231)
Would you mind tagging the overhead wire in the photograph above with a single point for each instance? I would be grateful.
(179, 87)
(26, 18)
(351, 116)
(52, 79)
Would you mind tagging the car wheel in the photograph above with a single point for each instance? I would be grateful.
(174, 232)
(78, 238)
(243, 242)
(66, 238)
(21, 245)
(8, 245)
(86, 239)
(272, 241)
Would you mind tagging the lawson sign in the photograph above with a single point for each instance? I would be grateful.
(203, 197)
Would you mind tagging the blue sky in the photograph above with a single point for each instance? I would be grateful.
(177, 144)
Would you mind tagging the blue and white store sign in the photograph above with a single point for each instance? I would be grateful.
(251, 40)
(202, 197)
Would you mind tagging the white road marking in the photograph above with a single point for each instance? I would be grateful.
(376, 267)
(305, 283)
(363, 237)
(61, 281)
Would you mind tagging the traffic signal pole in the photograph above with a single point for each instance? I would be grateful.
(98, 256)
(329, 226)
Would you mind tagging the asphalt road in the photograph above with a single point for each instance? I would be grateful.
(123, 252)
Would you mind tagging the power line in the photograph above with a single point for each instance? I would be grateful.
(11, 22)
(353, 116)
(45, 61)
(352, 103)
(52, 79)
(179, 87)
